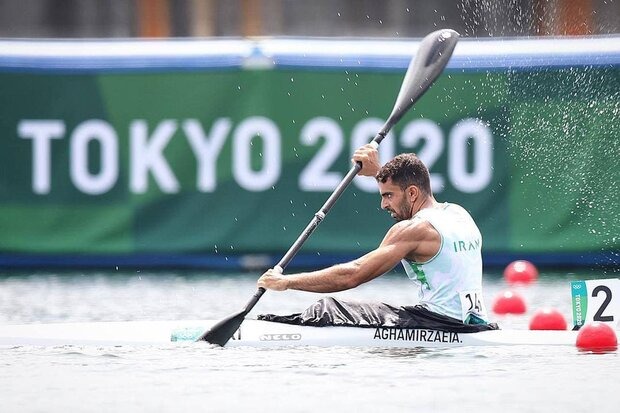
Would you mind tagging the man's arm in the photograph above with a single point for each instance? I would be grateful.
(398, 243)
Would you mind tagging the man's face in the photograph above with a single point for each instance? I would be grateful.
(395, 200)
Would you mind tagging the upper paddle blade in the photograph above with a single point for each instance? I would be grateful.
(430, 60)
(221, 332)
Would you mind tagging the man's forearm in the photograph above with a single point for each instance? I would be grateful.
(336, 278)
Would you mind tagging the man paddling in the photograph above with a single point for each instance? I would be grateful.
(438, 244)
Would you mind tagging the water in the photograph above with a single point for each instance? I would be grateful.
(196, 377)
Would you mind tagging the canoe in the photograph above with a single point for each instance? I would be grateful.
(257, 333)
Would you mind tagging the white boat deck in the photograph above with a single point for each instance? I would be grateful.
(265, 334)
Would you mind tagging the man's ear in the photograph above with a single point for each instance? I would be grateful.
(413, 192)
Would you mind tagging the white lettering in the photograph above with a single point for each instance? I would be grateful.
(207, 149)
(478, 133)
(102, 132)
(41, 132)
(245, 133)
(256, 153)
(316, 176)
(146, 155)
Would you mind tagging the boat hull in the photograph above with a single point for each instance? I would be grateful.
(257, 333)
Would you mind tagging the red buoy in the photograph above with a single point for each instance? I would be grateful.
(520, 271)
(548, 319)
(509, 302)
(597, 337)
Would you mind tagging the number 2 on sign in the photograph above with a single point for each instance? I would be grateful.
(593, 300)
(598, 316)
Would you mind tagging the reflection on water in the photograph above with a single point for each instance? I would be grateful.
(400, 352)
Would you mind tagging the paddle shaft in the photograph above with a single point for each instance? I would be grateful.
(317, 219)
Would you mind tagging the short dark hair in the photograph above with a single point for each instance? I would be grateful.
(405, 170)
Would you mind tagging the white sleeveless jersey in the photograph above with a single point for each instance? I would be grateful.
(450, 283)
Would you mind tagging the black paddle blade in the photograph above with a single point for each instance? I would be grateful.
(428, 63)
(221, 332)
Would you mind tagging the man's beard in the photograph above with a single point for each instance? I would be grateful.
(402, 213)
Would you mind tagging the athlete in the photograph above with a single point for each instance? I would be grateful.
(438, 244)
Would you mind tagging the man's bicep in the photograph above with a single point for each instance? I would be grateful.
(380, 261)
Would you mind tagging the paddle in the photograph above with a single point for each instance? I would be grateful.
(430, 60)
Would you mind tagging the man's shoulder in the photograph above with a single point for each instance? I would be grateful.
(411, 223)
(417, 227)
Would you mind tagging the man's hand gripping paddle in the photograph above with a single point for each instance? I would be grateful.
(429, 62)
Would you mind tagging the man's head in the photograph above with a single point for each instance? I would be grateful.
(404, 183)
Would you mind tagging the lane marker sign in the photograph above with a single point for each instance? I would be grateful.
(596, 300)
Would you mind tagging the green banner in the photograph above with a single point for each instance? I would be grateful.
(238, 161)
